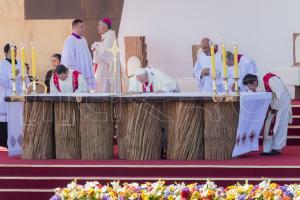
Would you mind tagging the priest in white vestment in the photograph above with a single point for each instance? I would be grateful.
(76, 53)
(6, 89)
(280, 111)
(66, 80)
(148, 80)
(103, 60)
(202, 68)
(245, 66)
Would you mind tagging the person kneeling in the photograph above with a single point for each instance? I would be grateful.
(66, 80)
(148, 80)
(279, 111)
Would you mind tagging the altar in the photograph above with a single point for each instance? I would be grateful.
(190, 125)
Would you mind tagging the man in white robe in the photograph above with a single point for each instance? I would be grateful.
(280, 111)
(103, 60)
(6, 89)
(66, 80)
(202, 68)
(245, 66)
(149, 80)
(76, 54)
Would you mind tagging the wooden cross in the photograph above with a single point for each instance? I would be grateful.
(115, 51)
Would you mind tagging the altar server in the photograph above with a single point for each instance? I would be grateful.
(280, 110)
(245, 65)
(103, 60)
(76, 54)
(6, 88)
(148, 80)
(55, 61)
(66, 80)
(202, 68)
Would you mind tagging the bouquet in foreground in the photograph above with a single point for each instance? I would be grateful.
(178, 191)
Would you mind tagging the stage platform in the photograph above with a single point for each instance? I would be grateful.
(36, 179)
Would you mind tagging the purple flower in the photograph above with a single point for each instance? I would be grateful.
(55, 197)
(242, 197)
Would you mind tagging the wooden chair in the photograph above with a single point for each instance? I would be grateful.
(41, 88)
(133, 64)
(196, 50)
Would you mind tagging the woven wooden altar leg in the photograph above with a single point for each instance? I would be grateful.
(122, 112)
(96, 131)
(142, 130)
(38, 142)
(67, 136)
(185, 130)
(221, 122)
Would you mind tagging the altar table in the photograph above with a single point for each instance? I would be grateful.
(82, 126)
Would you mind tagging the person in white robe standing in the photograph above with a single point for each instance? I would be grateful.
(202, 68)
(76, 53)
(245, 65)
(66, 80)
(280, 111)
(103, 60)
(149, 80)
(6, 89)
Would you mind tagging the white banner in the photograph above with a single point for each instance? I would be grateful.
(15, 128)
(253, 110)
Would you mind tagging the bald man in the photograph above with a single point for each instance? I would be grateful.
(202, 68)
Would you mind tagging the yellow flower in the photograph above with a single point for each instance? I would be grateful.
(171, 197)
(273, 185)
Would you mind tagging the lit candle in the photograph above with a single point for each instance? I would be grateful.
(13, 62)
(23, 62)
(33, 62)
(213, 62)
(224, 60)
(236, 64)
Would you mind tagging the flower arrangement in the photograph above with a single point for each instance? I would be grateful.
(266, 190)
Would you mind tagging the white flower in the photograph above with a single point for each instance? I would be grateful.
(72, 185)
(92, 184)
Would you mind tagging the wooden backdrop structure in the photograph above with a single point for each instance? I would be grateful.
(136, 46)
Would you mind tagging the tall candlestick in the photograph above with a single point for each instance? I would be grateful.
(13, 62)
(33, 62)
(23, 62)
(213, 62)
(225, 74)
(236, 64)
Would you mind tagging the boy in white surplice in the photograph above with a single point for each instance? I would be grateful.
(279, 111)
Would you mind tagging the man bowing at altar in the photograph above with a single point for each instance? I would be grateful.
(148, 80)
(245, 65)
(76, 54)
(280, 111)
(66, 80)
(103, 59)
(202, 68)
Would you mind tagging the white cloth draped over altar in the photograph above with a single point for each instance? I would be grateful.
(253, 110)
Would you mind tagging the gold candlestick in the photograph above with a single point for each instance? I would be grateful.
(115, 51)
(23, 86)
(34, 92)
(236, 82)
(14, 88)
(215, 93)
(226, 86)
